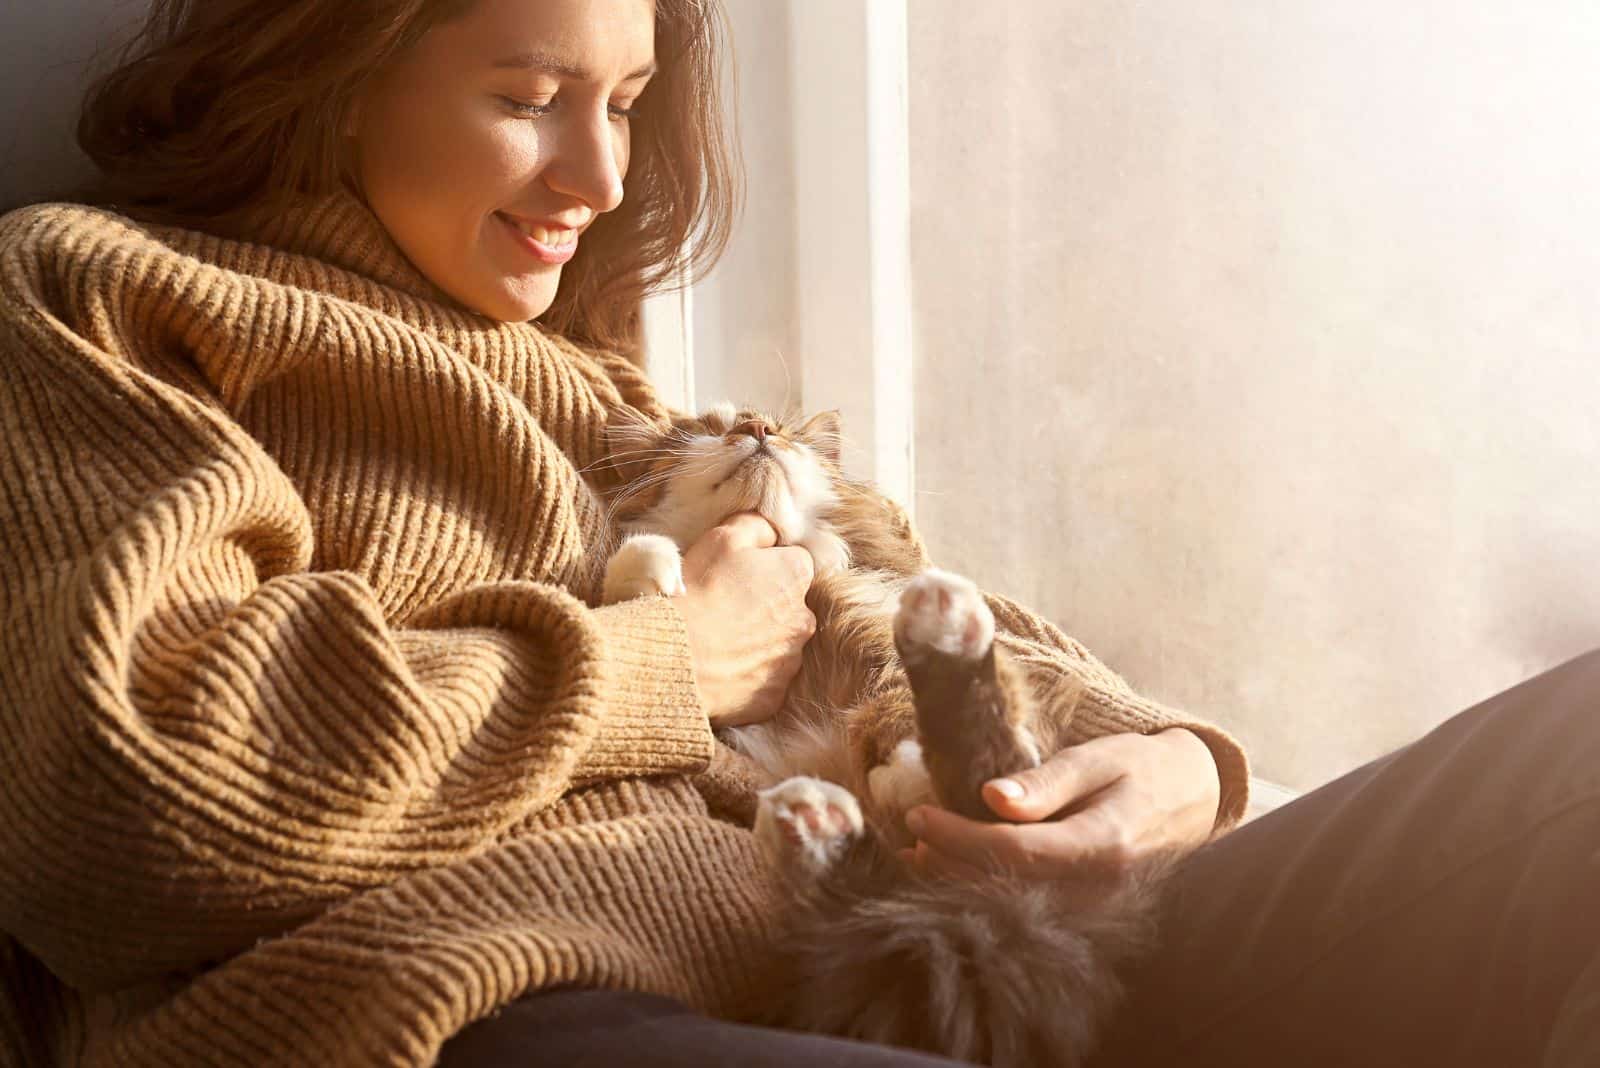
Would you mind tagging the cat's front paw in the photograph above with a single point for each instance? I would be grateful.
(807, 823)
(943, 613)
(645, 564)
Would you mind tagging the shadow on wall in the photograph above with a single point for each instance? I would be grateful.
(45, 63)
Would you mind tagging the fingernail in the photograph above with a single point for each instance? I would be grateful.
(1010, 789)
(915, 821)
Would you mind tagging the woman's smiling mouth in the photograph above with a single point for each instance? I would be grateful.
(547, 244)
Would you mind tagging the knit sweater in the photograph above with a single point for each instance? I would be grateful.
(314, 747)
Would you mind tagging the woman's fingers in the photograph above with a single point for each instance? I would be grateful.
(746, 530)
(1093, 843)
(989, 846)
(929, 860)
(744, 608)
(1089, 816)
(1069, 777)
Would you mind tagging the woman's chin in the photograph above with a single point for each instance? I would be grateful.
(516, 298)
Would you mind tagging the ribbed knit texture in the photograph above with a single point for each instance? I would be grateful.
(312, 749)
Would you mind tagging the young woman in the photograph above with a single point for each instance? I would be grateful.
(315, 749)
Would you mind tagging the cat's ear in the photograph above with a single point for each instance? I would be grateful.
(720, 418)
(821, 432)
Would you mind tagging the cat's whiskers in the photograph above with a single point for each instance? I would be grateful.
(788, 380)
(622, 456)
(634, 489)
(656, 478)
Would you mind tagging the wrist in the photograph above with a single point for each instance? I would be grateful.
(688, 610)
(720, 702)
(1199, 763)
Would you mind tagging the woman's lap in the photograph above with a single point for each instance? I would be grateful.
(602, 1028)
(1437, 906)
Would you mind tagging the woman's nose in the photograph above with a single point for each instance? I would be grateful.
(589, 162)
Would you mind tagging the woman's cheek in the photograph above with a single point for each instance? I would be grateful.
(503, 160)
(624, 151)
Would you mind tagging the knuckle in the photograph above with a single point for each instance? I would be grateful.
(1121, 859)
(1015, 849)
(801, 565)
(1120, 852)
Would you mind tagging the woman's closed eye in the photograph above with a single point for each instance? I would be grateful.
(532, 110)
(527, 110)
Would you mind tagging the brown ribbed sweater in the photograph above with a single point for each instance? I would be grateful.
(313, 750)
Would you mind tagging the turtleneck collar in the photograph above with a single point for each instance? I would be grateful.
(340, 229)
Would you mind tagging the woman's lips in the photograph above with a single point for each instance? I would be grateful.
(539, 250)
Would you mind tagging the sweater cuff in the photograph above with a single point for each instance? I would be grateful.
(654, 723)
(1103, 710)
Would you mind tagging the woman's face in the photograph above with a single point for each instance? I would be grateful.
(491, 146)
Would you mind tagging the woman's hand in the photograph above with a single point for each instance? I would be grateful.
(1088, 815)
(746, 613)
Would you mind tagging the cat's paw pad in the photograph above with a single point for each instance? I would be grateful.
(943, 613)
(807, 822)
(645, 564)
(901, 784)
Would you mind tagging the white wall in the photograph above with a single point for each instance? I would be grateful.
(745, 317)
(1259, 345)
(812, 306)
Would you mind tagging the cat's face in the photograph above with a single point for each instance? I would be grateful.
(727, 460)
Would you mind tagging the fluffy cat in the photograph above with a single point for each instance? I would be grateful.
(905, 695)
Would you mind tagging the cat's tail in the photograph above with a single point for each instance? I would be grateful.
(1003, 972)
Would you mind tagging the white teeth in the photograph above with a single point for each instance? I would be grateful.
(544, 235)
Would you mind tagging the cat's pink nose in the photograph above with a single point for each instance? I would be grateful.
(756, 428)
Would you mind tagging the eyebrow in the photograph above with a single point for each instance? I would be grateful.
(553, 64)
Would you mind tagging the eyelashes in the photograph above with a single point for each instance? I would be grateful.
(524, 110)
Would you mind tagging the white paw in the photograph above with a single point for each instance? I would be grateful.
(645, 564)
(945, 613)
(807, 822)
(900, 785)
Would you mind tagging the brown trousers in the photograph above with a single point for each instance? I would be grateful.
(1439, 906)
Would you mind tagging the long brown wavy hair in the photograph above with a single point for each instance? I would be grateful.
(218, 109)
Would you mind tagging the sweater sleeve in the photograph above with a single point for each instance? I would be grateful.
(204, 740)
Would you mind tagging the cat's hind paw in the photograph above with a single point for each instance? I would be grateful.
(807, 823)
(645, 564)
(942, 613)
